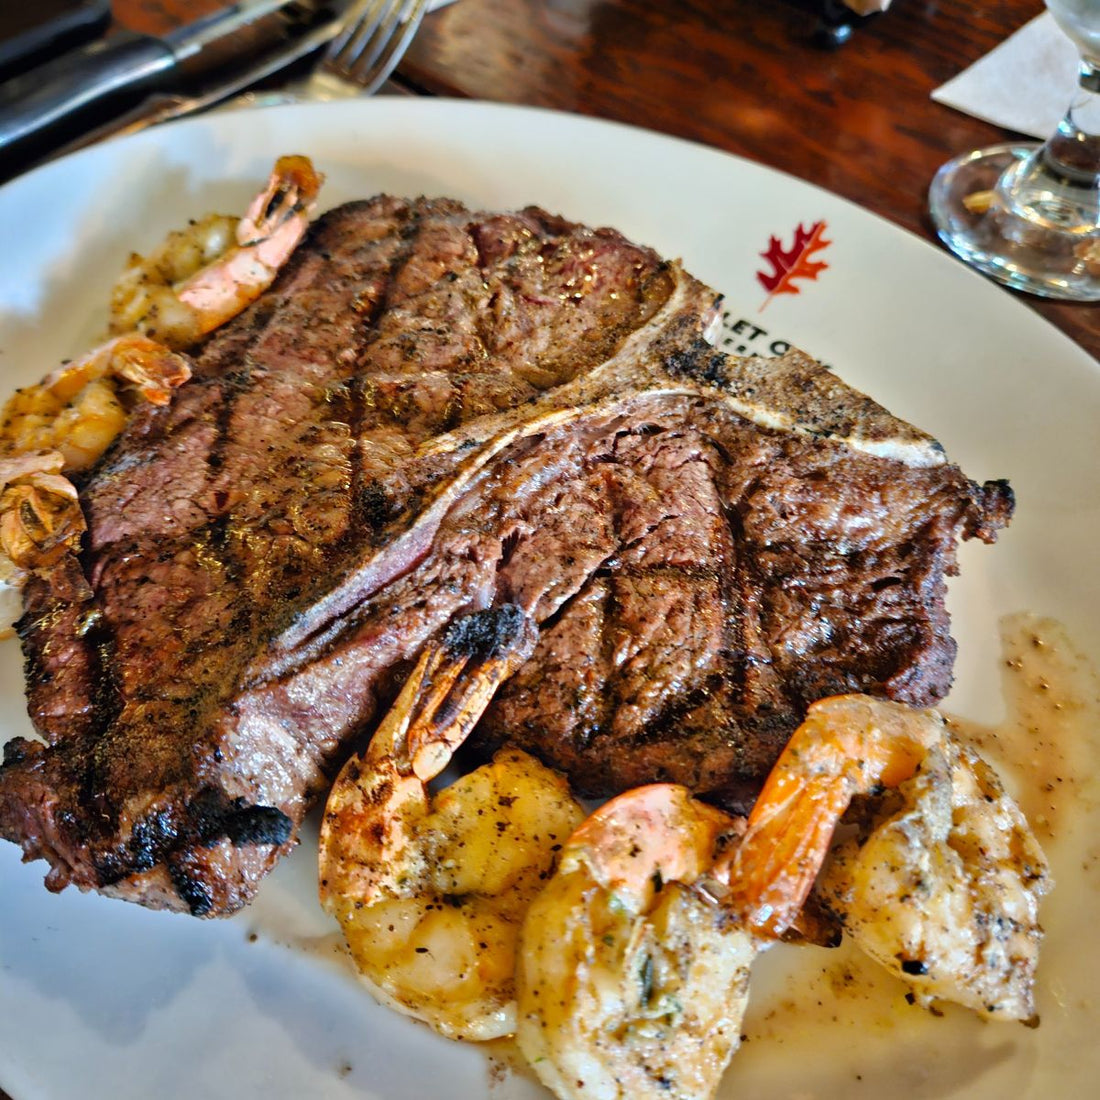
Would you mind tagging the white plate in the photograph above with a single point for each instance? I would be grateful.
(103, 999)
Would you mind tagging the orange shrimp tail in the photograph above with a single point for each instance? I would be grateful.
(471, 659)
(430, 743)
(153, 368)
(297, 172)
(774, 867)
(847, 745)
(272, 228)
(290, 193)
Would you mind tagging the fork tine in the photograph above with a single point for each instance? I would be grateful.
(376, 17)
(381, 49)
(362, 18)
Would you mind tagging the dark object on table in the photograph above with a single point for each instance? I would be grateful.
(449, 411)
(46, 106)
(32, 32)
(837, 22)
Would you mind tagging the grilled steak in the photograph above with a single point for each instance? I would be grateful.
(435, 411)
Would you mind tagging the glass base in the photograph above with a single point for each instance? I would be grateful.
(1040, 243)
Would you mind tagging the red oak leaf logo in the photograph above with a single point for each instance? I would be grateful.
(789, 264)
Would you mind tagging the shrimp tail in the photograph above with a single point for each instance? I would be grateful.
(847, 745)
(475, 655)
(774, 868)
(269, 232)
(151, 367)
(439, 704)
(41, 522)
(292, 189)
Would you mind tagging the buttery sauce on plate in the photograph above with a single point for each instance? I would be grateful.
(1052, 704)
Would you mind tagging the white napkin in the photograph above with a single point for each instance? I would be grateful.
(1025, 84)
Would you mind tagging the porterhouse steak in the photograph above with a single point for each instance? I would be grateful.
(434, 411)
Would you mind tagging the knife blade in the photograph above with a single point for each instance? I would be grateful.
(163, 107)
(47, 104)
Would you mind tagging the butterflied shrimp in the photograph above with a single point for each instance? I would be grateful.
(202, 276)
(41, 525)
(944, 890)
(631, 981)
(40, 518)
(80, 408)
(431, 891)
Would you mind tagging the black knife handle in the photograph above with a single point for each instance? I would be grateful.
(31, 33)
(50, 99)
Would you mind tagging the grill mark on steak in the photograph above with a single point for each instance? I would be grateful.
(432, 412)
(734, 612)
(217, 537)
(101, 643)
(754, 663)
(674, 712)
(232, 386)
(604, 698)
(99, 686)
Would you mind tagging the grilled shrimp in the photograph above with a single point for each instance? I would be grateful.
(194, 282)
(64, 424)
(631, 981)
(943, 890)
(431, 891)
(634, 961)
(40, 529)
(78, 409)
(942, 886)
(202, 276)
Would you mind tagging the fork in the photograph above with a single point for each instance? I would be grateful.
(372, 41)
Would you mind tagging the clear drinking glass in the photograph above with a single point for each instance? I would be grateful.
(1027, 214)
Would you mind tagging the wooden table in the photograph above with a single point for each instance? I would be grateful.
(749, 78)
